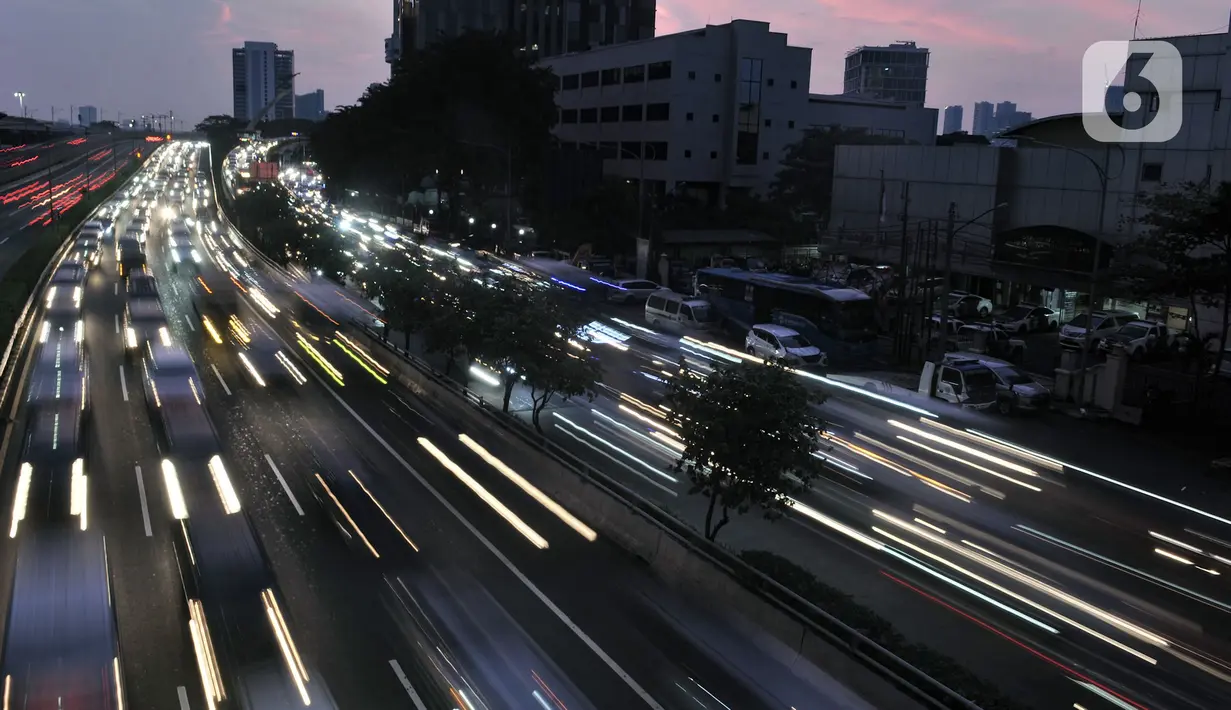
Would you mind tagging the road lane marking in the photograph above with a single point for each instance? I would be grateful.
(123, 383)
(115, 287)
(182, 692)
(220, 380)
(145, 508)
(117, 323)
(189, 321)
(521, 577)
(285, 487)
(414, 697)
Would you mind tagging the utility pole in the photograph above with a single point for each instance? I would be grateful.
(51, 192)
(903, 327)
(944, 286)
(1088, 342)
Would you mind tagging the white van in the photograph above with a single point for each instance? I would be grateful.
(677, 312)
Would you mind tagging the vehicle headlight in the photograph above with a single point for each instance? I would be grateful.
(130, 336)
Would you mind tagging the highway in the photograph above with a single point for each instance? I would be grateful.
(26, 203)
(1064, 577)
(458, 610)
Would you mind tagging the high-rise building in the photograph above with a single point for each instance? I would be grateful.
(310, 105)
(543, 28)
(262, 74)
(983, 122)
(953, 119)
(87, 115)
(898, 72)
(1115, 98)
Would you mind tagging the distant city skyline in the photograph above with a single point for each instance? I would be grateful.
(176, 59)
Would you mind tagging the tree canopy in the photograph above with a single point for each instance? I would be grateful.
(749, 433)
(455, 113)
(1186, 248)
(804, 184)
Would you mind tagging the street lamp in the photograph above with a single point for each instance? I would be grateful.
(944, 291)
(21, 99)
(1101, 170)
(640, 156)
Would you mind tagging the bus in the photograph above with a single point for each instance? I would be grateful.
(839, 321)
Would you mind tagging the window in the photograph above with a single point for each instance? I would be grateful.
(688, 116)
(765, 155)
(718, 78)
(656, 303)
(568, 115)
(790, 124)
(657, 112)
(769, 82)
(692, 75)
(589, 115)
(748, 101)
(610, 150)
(715, 120)
(656, 151)
(630, 150)
(713, 155)
(609, 114)
(634, 75)
(687, 153)
(589, 79)
(1152, 172)
(794, 84)
(570, 82)
(633, 112)
(1153, 103)
(769, 122)
(610, 77)
(658, 70)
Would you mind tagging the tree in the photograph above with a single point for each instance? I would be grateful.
(1187, 247)
(561, 366)
(748, 433)
(222, 132)
(804, 183)
(406, 294)
(517, 327)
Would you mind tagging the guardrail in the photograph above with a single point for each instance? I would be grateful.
(873, 656)
(21, 330)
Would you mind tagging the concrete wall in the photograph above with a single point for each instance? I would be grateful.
(675, 563)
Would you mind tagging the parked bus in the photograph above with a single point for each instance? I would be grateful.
(840, 321)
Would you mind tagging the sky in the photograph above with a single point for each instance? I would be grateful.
(164, 56)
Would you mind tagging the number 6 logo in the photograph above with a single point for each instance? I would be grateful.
(1164, 70)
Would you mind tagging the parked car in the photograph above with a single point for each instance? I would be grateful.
(990, 340)
(775, 342)
(1073, 333)
(963, 304)
(1140, 339)
(1016, 389)
(631, 290)
(1027, 318)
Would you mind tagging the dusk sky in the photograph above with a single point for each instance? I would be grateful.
(155, 56)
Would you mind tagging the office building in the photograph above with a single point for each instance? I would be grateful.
(310, 105)
(983, 121)
(953, 119)
(1008, 117)
(543, 28)
(708, 111)
(898, 72)
(87, 115)
(263, 74)
(1115, 98)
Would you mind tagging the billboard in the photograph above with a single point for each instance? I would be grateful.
(263, 171)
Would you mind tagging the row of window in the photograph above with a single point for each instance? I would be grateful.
(632, 150)
(636, 74)
(635, 113)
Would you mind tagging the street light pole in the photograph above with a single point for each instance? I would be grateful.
(21, 99)
(950, 233)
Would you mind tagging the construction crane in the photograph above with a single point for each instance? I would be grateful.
(250, 130)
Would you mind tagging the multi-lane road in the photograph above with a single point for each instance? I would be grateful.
(461, 609)
(1066, 578)
(68, 168)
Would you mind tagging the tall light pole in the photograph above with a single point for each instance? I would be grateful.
(1101, 170)
(640, 156)
(21, 99)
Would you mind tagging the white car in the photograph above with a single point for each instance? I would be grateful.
(631, 290)
(1027, 318)
(1073, 334)
(1139, 339)
(775, 342)
(964, 304)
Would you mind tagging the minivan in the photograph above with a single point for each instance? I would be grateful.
(958, 380)
(677, 312)
(1073, 333)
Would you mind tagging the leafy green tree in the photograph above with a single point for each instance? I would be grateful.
(455, 326)
(222, 132)
(517, 328)
(407, 294)
(561, 366)
(749, 433)
(1187, 247)
(804, 183)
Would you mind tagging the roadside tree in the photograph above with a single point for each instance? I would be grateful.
(749, 434)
